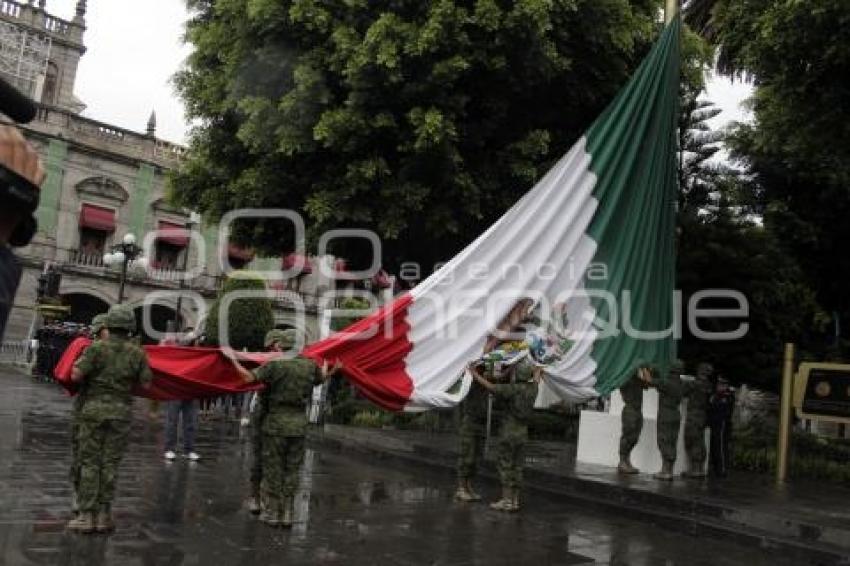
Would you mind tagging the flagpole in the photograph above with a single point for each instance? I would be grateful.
(670, 10)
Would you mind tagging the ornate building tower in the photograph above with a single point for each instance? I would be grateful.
(40, 53)
(103, 182)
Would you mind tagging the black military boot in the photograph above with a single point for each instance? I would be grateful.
(666, 473)
(286, 516)
(625, 467)
(104, 523)
(271, 512)
(254, 505)
(696, 470)
(505, 503)
(465, 493)
(83, 523)
(514, 507)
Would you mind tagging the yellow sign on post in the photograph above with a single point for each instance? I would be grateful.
(818, 391)
(783, 440)
(822, 392)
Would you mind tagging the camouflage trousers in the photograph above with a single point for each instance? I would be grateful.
(471, 437)
(695, 439)
(102, 443)
(668, 436)
(74, 472)
(282, 460)
(256, 453)
(510, 459)
(632, 420)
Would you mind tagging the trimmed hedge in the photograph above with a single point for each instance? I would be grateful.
(248, 319)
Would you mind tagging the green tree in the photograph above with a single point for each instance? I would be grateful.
(720, 250)
(248, 319)
(698, 144)
(797, 150)
(421, 120)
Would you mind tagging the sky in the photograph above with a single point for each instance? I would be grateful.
(135, 47)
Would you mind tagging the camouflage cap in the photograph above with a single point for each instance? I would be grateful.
(286, 338)
(98, 323)
(121, 317)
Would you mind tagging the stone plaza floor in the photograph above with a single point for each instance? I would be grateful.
(350, 509)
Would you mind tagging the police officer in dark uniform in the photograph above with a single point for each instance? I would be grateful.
(721, 407)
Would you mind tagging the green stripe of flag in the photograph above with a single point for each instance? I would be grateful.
(633, 154)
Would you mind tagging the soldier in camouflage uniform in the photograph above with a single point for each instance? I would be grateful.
(514, 404)
(257, 416)
(669, 418)
(472, 431)
(108, 370)
(697, 392)
(632, 422)
(99, 332)
(471, 437)
(289, 384)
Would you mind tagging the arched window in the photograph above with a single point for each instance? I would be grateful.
(51, 84)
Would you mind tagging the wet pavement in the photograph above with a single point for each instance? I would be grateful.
(350, 510)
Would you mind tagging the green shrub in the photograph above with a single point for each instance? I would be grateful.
(361, 413)
(248, 319)
(350, 303)
(374, 418)
(812, 457)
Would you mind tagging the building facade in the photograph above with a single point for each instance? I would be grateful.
(105, 181)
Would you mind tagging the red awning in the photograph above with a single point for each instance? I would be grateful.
(177, 234)
(297, 262)
(238, 252)
(97, 218)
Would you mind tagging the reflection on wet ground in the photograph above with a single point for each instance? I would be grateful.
(349, 511)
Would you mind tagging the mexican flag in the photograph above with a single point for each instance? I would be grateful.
(585, 260)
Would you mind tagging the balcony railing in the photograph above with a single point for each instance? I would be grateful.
(29, 14)
(98, 134)
(83, 259)
(56, 25)
(285, 294)
(11, 9)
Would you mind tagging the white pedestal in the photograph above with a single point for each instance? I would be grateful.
(599, 436)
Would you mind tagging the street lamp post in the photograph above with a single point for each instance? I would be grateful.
(123, 254)
(190, 224)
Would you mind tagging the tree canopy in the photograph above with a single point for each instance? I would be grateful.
(797, 150)
(420, 120)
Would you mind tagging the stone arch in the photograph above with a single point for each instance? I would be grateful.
(103, 189)
(84, 306)
(73, 288)
(168, 211)
(190, 312)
